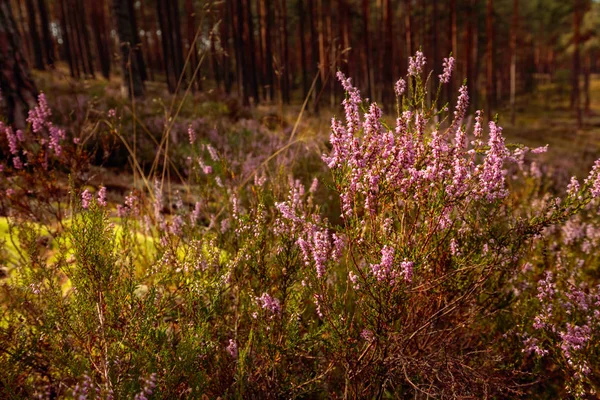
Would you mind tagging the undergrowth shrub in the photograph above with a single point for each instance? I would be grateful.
(448, 272)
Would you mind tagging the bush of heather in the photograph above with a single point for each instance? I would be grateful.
(449, 271)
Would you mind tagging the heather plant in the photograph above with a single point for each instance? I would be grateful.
(444, 268)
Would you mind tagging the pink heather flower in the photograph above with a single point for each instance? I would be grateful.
(12, 139)
(383, 270)
(400, 87)
(20, 136)
(448, 67)
(351, 105)
(102, 196)
(56, 135)
(232, 348)
(191, 134)
(354, 279)
(573, 187)
(212, 152)
(338, 246)
(531, 345)
(407, 270)
(10, 192)
(195, 214)
(176, 225)
(122, 211)
(269, 303)
(594, 179)
(416, 64)
(112, 113)
(453, 247)
(367, 335)
(539, 150)
(131, 203)
(1, 167)
(318, 299)
(38, 117)
(17, 162)
(313, 186)
(461, 107)
(86, 198)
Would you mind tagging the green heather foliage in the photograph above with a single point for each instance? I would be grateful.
(420, 259)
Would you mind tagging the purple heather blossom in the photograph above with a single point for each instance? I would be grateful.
(131, 203)
(539, 150)
(593, 179)
(367, 335)
(232, 348)
(102, 196)
(573, 187)
(400, 87)
(38, 117)
(416, 64)
(448, 67)
(269, 303)
(318, 300)
(196, 213)
(17, 162)
(12, 139)
(383, 270)
(112, 113)
(86, 198)
(212, 152)
(148, 388)
(56, 135)
(407, 270)
(191, 134)
(176, 225)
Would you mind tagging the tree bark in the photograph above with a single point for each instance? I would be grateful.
(101, 36)
(48, 42)
(576, 70)
(367, 49)
(17, 87)
(490, 58)
(35, 37)
(132, 77)
(302, 25)
(64, 24)
(513, 60)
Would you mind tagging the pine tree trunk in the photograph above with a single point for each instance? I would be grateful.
(64, 25)
(301, 30)
(367, 44)
(136, 45)
(132, 77)
(575, 72)
(101, 36)
(191, 35)
(513, 60)
(490, 58)
(48, 42)
(35, 38)
(18, 89)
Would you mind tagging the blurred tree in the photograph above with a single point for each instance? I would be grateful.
(17, 89)
(101, 36)
(46, 34)
(132, 77)
(35, 38)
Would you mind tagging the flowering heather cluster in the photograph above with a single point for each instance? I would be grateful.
(407, 161)
(39, 118)
(416, 64)
(448, 67)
